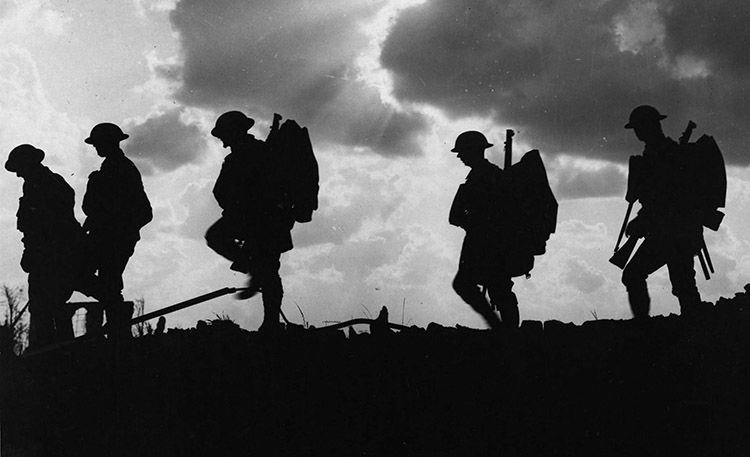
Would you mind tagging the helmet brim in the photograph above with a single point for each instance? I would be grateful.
(631, 124)
(11, 166)
(93, 140)
(457, 150)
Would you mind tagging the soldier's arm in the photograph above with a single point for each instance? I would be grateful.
(228, 186)
(458, 215)
(139, 212)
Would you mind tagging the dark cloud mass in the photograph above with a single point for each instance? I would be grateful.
(292, 57)
(570, 72)
(164, 143)
(716, 31)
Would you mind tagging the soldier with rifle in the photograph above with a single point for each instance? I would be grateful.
(52, 238)
(257, 216)
(480, 208)
(669, 222)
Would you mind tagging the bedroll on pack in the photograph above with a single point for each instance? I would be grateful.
(291, 143)
(534, 214)
(710, 179)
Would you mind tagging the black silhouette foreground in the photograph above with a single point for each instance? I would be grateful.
(116, 208)
(52, 240)
(263, 188)
(672, 387)
(508, 216)
(680, 186)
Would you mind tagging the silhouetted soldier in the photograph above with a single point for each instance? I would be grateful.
(478, 208)
(51, 237)
(116, 208)
(257, 218)
(667, 221)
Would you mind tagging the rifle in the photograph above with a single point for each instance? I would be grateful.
(508, 149)
(714, 219)
(621, 256)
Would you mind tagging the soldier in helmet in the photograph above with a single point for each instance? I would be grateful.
(257, 218)
(478, 208)
(116, 208)
(667, 221)
(51, 236)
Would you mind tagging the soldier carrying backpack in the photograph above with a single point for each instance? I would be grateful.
(508, 215)
(680, 186)
(263, 188)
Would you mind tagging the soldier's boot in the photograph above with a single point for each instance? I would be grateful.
(272, 296)
(479, 304)
(490, 317)
(473, 297)
(506, 303)
(509, 315)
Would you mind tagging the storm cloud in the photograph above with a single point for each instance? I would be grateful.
(165, 142)
(570, 72)
(295, 58)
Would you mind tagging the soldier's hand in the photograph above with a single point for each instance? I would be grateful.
(637, 228)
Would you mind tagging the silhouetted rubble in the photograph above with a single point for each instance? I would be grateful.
(664, 386)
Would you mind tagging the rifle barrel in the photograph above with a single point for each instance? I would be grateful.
(703, 265)
(624, 225)
(508, 149)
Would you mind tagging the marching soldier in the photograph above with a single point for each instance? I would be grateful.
(668, 221)
(480, 208)
(257, 218)
(51, 238)
(117, 208)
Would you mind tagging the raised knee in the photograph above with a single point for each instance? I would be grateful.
(210, 235)
(460, 285)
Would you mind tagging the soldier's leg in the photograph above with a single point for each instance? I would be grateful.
(41, 311)
(648, 258)
(91, 284)
(467, 288)
(266, 270)
(63, 317)
(505, 301)
(682, 276)
(221, 237)
(114, 260)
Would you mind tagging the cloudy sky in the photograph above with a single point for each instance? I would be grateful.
(385, 87)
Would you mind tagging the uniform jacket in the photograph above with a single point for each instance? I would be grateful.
(115, 202)
(51, 233)
(480, 208)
